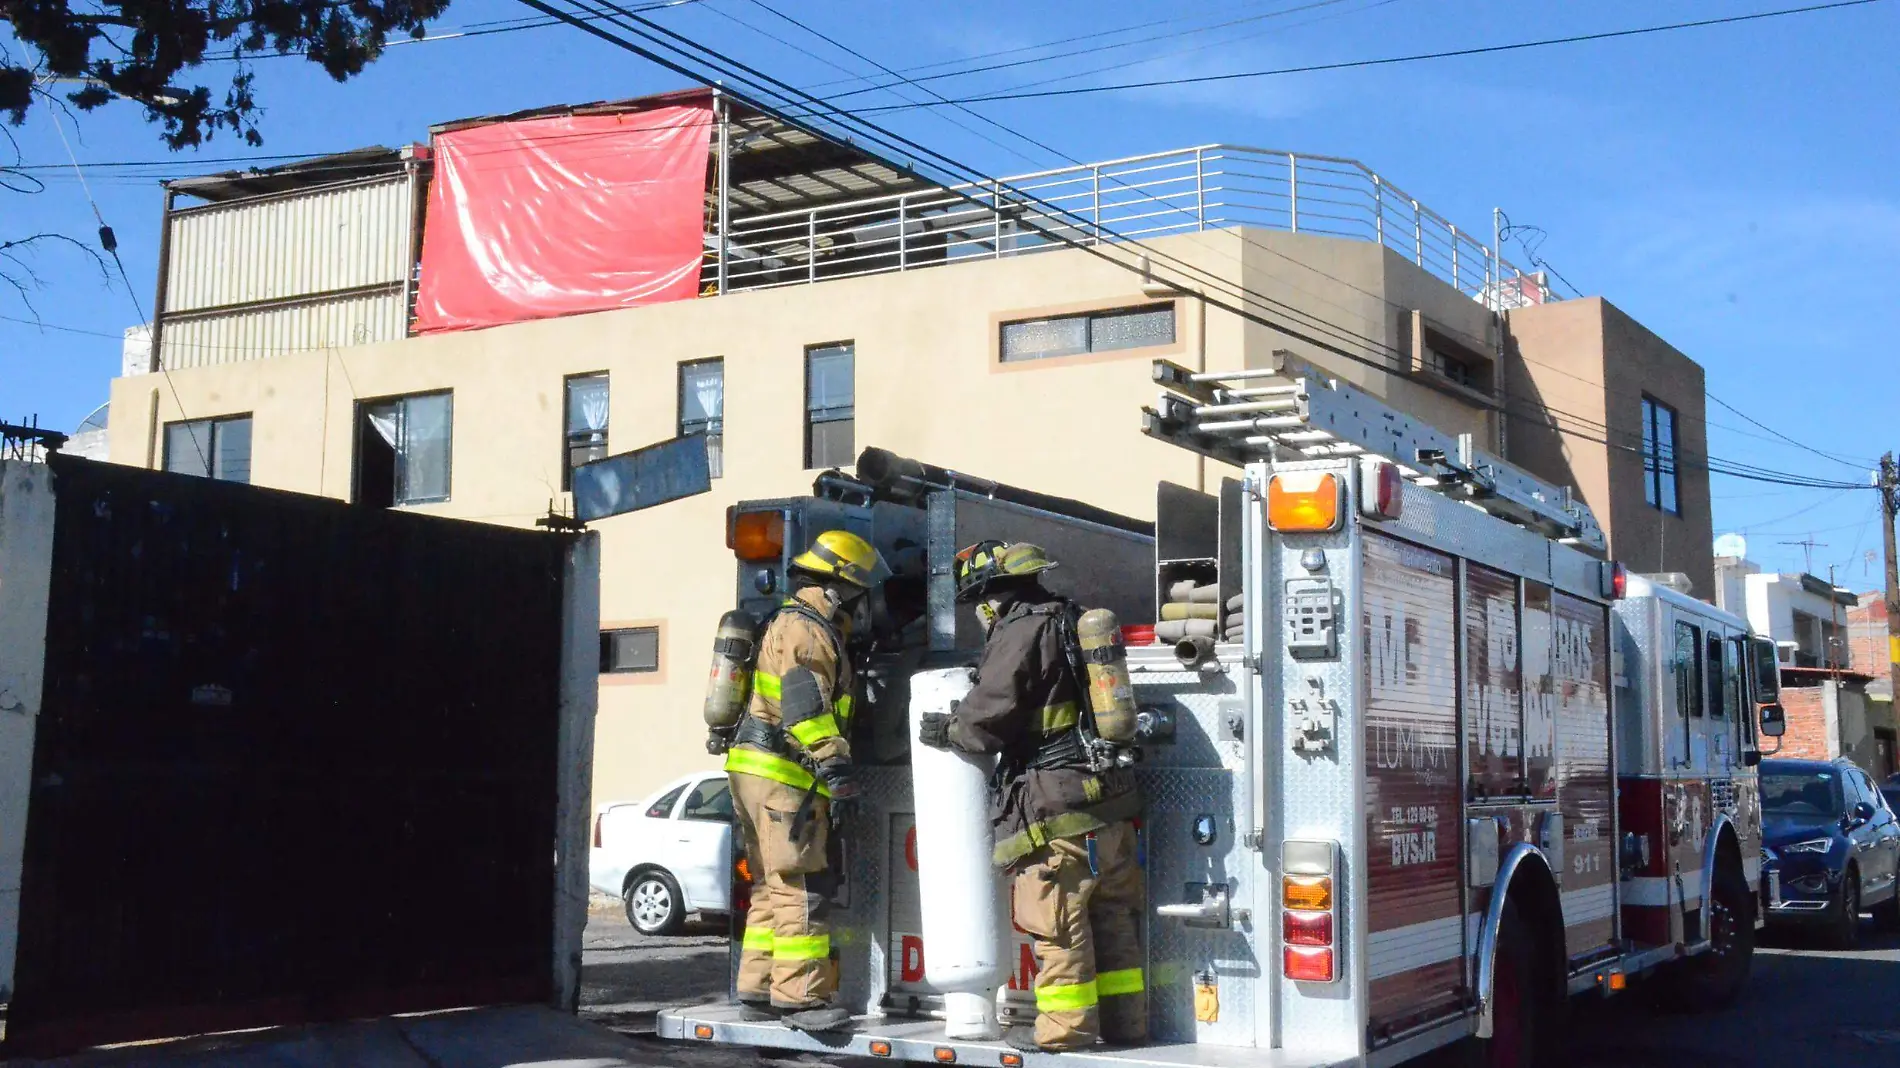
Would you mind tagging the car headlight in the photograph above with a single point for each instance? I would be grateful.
(1769, 856)
(1812, 845)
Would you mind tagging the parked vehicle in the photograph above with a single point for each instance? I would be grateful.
(1831, 848)
(667, 855)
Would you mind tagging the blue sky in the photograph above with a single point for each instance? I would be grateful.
(1732, 188)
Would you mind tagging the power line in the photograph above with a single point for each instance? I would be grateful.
(725, 67)
(1416, 57)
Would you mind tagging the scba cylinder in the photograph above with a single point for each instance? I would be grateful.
(1111, 695)
(963, 951)
(730, 683)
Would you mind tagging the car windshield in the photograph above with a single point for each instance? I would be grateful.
(1801, 793)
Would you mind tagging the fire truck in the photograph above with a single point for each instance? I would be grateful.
(1458, 768)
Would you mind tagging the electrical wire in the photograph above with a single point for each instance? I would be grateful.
(1417, 57)
(725, 68)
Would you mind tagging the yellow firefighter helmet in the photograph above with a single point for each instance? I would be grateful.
(840, 554)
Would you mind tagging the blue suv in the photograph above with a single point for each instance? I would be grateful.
(1830, 848)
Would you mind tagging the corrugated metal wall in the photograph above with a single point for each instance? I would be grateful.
(342, 239)
(320, 324)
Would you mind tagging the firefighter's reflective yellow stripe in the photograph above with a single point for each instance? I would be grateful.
(801, 947)
(766, 685)
(1040, 833)
(773, 767)
(1068, 997)
(810, 732)
(1120, 981)
(757, 940)
(1058, 717)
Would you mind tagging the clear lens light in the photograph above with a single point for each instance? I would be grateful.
(1812, 845)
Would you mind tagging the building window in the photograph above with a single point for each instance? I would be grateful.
(210, 448)
(1464, 372)
(402, 450)
(629, 650)
(1659, 456)
(830, 408)
(1098, 331)
(703, 407)
(585, 437)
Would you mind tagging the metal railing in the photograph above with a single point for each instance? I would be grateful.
(1139, 197)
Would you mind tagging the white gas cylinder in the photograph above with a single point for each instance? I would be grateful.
(961, 919)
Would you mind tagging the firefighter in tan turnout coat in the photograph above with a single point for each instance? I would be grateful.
(1063, 830)
(790, 760)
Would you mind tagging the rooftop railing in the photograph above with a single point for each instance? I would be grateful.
(1141, 197)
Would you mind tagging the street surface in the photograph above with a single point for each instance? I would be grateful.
(1804, 1005)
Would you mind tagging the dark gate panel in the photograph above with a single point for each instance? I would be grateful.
(297, 760)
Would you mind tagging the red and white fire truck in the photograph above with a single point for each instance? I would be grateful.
(1458, 769)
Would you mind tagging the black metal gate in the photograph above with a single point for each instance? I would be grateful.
(296, 761)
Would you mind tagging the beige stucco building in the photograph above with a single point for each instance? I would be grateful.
(1017, 362)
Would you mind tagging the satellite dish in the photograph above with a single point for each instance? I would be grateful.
(1732, 545)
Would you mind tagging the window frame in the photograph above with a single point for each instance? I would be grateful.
(607, 634)
(1660, 464)
(1089, 316)
(686, 800)
(668, 803)
(448, 451)
(567, 415)
(811, 422)
(214, 424)
(713, 428)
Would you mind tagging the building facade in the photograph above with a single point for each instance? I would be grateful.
(838, 307)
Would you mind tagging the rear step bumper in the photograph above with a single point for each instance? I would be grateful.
(919, 1040)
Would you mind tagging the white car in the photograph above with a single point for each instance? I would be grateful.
(668, 855)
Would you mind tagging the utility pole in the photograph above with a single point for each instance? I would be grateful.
(1889, 504)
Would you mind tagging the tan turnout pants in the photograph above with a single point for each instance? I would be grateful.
(785, 956)
(1087, 931)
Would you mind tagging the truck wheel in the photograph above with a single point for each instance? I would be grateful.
(1844, 932)
(1716, 978)
(654, 903)
(1519, 1010)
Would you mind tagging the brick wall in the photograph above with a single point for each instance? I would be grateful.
(1867, 636)
(1807, 737)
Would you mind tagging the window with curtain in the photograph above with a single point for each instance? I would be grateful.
(402, 450)
(703, 407)
(1659, 456)
(210, 448)
(830, 406)
(585, 437)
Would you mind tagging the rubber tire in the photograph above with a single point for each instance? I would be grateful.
(1520, 1018)
(1716, 978)
(650, 888)
(1844, 931)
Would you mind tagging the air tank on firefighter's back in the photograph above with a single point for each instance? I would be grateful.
(962, 919)
(1111, 694)
(730, 681)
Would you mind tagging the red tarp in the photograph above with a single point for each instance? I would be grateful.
(574, 213)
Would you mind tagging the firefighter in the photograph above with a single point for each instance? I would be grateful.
(789, 762)
(1063, 829)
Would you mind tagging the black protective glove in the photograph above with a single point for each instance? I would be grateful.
(838, 779)
(934, 731)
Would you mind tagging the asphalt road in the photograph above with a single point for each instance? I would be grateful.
(1804, 1005)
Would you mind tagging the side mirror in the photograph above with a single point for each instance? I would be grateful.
(1751, 758)
(1863, 813)
(1774, 721)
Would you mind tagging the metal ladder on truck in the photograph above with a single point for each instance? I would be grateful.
(1293, 410)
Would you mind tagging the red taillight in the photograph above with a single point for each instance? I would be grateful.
(1616, 580)
(1309, 965)
(1381, 489)
(1307, 928)
(598, 816)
